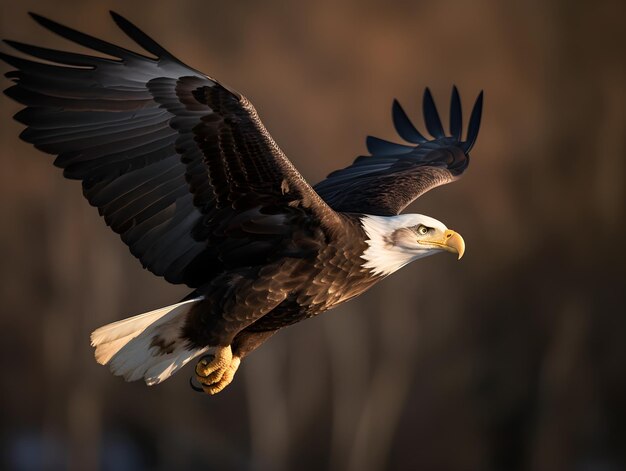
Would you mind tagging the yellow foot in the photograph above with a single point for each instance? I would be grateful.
(214, 374)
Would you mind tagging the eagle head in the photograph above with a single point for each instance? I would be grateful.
(394, 241)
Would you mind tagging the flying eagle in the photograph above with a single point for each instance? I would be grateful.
(181, 167)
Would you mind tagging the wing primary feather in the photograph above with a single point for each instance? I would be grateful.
(474, 124)
(141, 38)
(377, 146)
(28, 66)
(456, 115)
(404, 126)
(60, 57)
(84, 39)
(431, 116)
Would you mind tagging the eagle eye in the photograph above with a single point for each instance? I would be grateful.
(422, 230)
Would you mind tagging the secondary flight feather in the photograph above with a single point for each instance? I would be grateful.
(183, 169)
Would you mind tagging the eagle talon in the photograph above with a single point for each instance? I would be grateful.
(193, 386)
(215, 372)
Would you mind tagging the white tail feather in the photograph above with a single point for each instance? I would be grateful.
(128, 346)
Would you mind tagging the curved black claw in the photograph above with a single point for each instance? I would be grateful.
(193, 382)
(193, 386)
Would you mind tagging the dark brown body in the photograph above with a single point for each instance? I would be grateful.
(244, 307)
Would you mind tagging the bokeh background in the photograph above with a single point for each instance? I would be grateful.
(512, 359)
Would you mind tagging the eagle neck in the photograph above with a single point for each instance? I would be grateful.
(381, 256)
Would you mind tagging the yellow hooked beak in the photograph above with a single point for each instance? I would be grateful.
(451, 242)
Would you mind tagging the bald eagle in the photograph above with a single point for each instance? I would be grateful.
(181, 167)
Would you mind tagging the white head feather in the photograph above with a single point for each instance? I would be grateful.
(388, 248)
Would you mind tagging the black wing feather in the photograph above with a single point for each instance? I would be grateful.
(85, 39)
(378, 146)
(474, 124)
(60, 57)
(385, 182)
(140, 37)
(456, 115)
(167, 154)
(404, 126)
(431, 116)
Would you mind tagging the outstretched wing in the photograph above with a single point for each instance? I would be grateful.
(180, 166)
(394, 175)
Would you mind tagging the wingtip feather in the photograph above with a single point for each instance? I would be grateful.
(456, 114)
(137, 35)
(83, 39)
(431, 115)
(42, 20)
(474, 123)
(404, 127)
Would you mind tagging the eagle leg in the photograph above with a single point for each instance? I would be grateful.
(215, 372)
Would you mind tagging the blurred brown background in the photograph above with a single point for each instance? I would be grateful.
(513, 359)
